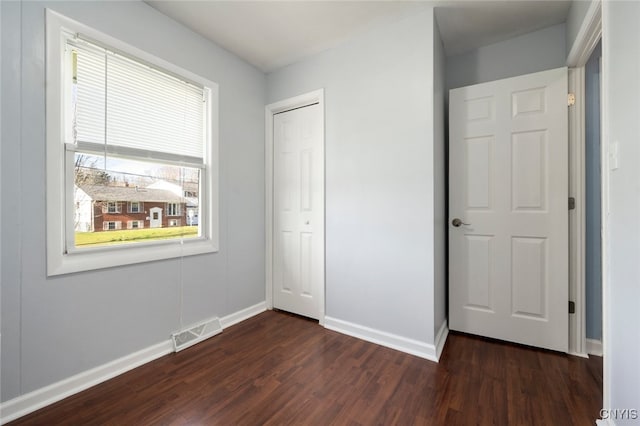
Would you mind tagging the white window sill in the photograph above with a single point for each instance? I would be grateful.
(108, 257)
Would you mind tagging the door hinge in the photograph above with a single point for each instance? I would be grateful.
(572, 307)
(572, 203)
(571, 99)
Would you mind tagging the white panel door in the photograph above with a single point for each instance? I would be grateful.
(298, 217)
(508, 212)
(155, 217)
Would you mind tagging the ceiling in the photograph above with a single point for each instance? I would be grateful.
(272, 34)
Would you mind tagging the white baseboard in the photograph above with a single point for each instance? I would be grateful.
(579, 354)
(441, 338)
(32, 401)
(244, 314)
(42, 397)
(594, 347)
(393, 341)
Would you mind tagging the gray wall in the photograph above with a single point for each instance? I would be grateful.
(593, 255)
(576, 15)
(10, 246)
(536, 51)
(621, 85)
(440, 182)
(53, 328)
(379, 174)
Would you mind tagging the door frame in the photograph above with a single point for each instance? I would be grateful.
(306, 99)
(586, 40)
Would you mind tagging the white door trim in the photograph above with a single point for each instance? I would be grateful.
(588, 36)
(586, 40)
(315, 97)
(577, 283)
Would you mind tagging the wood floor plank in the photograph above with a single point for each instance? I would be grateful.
(279, 369)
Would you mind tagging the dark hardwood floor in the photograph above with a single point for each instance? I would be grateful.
(277, 368)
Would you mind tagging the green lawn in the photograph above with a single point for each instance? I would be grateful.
(85, 239)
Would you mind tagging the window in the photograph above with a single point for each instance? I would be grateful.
(120, 122)
(173, 209)
(111, 207)
(135, 207)
(111, 225)
(174, 222)
(135, 224)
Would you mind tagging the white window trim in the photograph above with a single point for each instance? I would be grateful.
(178, 209)
(60, 259)
(138, 203)
(117, 225)
(117, 205)
(139, 223)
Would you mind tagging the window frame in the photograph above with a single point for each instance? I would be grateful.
(116, 207)
(139, 208)
(137, 222)
(117, 225)
(173, 212)
(59, 188)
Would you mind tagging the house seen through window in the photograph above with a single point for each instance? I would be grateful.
(149, 201)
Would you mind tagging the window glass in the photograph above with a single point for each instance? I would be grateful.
(104, 184)
(122, 111)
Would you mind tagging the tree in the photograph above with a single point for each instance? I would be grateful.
(86, 172)
(177, 175)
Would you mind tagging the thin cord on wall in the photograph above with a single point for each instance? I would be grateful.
(181, 181)
(181, 283)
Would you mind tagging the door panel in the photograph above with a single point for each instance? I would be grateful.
(479, 293)
(298, 252)
(508, 185)
(528, 170)
(529, 277)
(478, 172)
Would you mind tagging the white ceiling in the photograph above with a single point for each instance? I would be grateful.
(272, 34)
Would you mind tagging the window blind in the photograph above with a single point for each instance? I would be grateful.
(123, 103)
